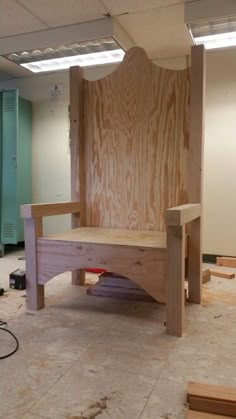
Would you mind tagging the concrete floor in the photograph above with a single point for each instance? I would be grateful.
(87, 357)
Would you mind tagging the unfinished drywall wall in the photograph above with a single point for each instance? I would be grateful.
(51, 160)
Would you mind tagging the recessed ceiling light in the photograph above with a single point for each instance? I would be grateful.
(84, 54)
(219, 33)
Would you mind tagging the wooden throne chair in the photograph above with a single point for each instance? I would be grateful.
(136, 180)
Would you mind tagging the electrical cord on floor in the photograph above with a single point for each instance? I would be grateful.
(2, 323)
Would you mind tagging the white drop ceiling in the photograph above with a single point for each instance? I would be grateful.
(156, 25)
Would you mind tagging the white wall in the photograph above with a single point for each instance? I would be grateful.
(51, 160)
(219, 192)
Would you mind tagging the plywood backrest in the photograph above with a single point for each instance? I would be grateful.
(136, 141)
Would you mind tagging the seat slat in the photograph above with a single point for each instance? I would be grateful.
(121, 237)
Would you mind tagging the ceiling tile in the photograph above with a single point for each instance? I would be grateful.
(117, 7)
(14, 19)
(65, 12)
(161, 32)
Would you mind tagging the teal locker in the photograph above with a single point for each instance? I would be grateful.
(16, 127)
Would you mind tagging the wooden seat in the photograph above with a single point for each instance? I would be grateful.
(112, 236)
(136, 173)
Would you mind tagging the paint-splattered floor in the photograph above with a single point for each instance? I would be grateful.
(87, 357)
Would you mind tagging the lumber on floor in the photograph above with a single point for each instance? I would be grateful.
(226, 275)
(212, 398)
(212, 391)
(218, 407)
(206, 275)
(224, 261)
(193, 414)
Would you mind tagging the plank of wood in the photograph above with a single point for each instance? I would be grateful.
(228, 262)
(226, 275)
(136, 263)
(206, 276)
(77, 150)
(194, 414)
(218, 407)
(212, 391)
(121, 293)
(195, 168)
(113, 236)
(33, 228)
(46, 210)
(175, 280)
(182, 214)
(136, 120)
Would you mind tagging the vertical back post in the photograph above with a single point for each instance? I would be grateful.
(195, 168)
(77, 149)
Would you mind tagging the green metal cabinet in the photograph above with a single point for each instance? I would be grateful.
(15, 174)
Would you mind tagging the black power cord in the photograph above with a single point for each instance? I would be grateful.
(2, 323)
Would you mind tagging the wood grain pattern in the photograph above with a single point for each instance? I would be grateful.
(46, 210)
(137, 139)
(126, 238)
(195, 168)
(77, 149)
(145, 266)
(183, 214)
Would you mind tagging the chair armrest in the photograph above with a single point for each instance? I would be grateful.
(46, 210)
(182, 214)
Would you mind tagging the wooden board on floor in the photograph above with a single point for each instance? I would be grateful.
(212, 391)
(206, 276)
(212, 398)
(218, 407)
(226, 275)
(224, 261)
(193, 414)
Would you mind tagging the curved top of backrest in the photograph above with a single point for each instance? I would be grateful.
(136, 139)
(137, 56)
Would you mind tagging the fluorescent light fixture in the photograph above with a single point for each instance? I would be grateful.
(84, 54)
(85, 60)
(221, 40)
(214, 34)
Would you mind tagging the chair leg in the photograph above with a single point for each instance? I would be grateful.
(34, 291)
(78, 277)
(35, 295)
(195, 262)
(175, 280)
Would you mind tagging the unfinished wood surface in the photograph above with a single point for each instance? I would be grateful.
(146, 266)
(218, 407)
(224, 261)
(137, 140)
(116, 236)
(77, 149)
(182, 214)
(226, 275)
(35, 292)
(175, 280)
(195, 168)
(46, 210)
(206, 276)
(194, 414)
(212, 391)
